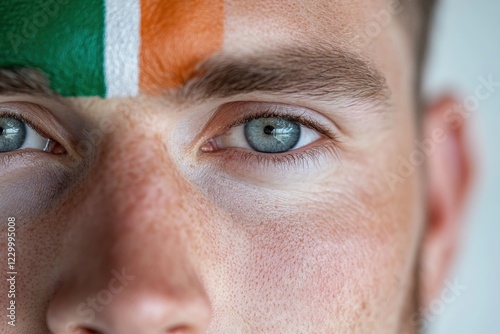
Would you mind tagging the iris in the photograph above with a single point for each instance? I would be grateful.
(272, 134)
(12, 134)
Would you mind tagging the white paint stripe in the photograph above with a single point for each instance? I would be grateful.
(122, 47)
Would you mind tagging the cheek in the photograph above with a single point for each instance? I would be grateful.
(31, 188)
(37, 246)
(339, 250)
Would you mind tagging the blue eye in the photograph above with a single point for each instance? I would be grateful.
(272, 134)
(12, 134)
(16, 135)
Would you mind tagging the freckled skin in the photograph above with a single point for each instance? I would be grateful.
(334, 252)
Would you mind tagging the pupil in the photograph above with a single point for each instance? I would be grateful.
(269, 130)
(1, 131)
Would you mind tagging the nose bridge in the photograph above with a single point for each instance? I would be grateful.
(134, 167)
(130, 270)
(134, 197)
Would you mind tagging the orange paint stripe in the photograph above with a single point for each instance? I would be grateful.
(176, 35)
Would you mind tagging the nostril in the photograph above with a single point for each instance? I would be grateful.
(90, 331)
(178, 330)
(81, 330)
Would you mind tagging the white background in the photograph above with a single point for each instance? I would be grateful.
(465, 46)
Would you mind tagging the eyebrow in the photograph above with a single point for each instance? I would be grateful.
(24, 81)
(323, 73)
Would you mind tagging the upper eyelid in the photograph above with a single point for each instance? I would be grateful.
(240, 111)
(25, 120)
(39, 119)
(305, 121)
(62, 110)
(218, 124)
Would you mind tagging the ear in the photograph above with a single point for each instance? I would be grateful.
(449, 175)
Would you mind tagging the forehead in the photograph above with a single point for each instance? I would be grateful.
(353, 25)
(127, 47)
(300, 17)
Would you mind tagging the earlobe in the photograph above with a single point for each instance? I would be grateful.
(448, 176)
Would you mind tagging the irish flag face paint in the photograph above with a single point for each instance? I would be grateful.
(110, 48)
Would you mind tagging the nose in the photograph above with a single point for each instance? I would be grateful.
(114, 310)
(122, 308)
(127, 266)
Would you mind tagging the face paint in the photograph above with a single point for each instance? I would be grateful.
(176, 36)
(110, 48)
(62, 38)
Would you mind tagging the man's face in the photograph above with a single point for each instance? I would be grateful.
(248, 189)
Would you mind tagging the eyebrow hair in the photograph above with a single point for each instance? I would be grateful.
(324, 73)
(24, 81)
(316, 72)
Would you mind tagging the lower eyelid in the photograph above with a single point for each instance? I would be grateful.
(302, 158)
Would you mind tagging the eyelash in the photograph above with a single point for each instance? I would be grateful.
(24, 119)
(299, 158)
(301, 119)
(291, 159)
(302, 159)
(51, 145)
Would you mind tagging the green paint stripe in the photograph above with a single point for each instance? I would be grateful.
(63, 38)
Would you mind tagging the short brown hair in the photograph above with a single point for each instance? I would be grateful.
(417, 19)
(426, 10)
